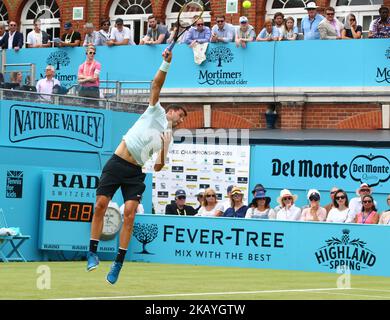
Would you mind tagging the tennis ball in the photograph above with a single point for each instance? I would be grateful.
(246, 4)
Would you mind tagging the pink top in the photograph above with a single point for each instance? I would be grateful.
(368, 220)
(307, 216)
(89, 69)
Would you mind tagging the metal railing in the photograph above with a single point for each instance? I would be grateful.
(73, 100)
(122, 91)
(31, 72)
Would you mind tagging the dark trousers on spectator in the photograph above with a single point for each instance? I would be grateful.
(90, 92)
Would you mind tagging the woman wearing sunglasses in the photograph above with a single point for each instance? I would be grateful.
(340, 210)
(288, 209)
(369, 214)
(210, 206)
(237, 208)
(314, 212)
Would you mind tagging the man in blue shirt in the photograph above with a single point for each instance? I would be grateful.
(309, 24)
(222, 31)
(198, 34)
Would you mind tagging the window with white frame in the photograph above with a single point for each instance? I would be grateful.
(293, 8)
(364, 10)
(45, 10)
(135, 15)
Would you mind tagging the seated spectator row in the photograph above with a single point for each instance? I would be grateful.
(313, 26)
(361, 209)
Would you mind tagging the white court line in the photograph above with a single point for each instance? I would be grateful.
(357, 295)
(203, 294)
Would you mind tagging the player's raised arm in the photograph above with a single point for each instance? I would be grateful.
(159, 78)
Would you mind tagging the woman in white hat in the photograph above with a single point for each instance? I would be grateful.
(314, 212)
(288, 209)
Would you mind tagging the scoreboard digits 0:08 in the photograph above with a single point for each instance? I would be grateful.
(69, 211)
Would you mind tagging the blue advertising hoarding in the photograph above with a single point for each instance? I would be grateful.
(255, 243)
(261, 65)
(300, 168)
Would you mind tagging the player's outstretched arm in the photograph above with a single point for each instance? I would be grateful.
(159, 78)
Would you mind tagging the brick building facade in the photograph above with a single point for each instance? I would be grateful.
(335, 113)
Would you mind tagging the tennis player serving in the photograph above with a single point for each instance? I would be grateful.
(151, 133)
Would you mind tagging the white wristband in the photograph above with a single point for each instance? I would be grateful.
(165, 66)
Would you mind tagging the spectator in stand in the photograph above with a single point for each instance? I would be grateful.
(288, 209)
(222, 31)
(91, 36)
(351, 29)
(340, 211)
(120, 35)
(12, 39)
(182, 37)
(368, 213)
(260, 208)
(227, 202)
(156, 34)
(2, 30)
(178, 206)
(210, 207)
(279, 21)
(46, 85)
(385, 216)
(330, 28)
(330, 205)
(314, 212)
(237, 208)
(198, 34)
(244, 33)
(355, 205)
(37, 38)
(200, 198)
(381, 25)
(16, 77)
(289, 31)
(70, 38)
(103, 34)
(309, 24)
(269, 32)
(88, 75)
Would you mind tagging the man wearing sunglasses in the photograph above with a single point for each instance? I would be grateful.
(178, 206)
(330, 28)
(198, 34)
(356, 204)
(13, 39)
(222, 31)
(88, 76)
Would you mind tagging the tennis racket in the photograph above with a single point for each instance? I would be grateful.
(192, 8)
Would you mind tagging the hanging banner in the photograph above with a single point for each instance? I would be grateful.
(193, 167)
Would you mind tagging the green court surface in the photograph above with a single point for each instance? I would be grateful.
(69, 280)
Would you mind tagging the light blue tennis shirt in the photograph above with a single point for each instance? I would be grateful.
(143, 138)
